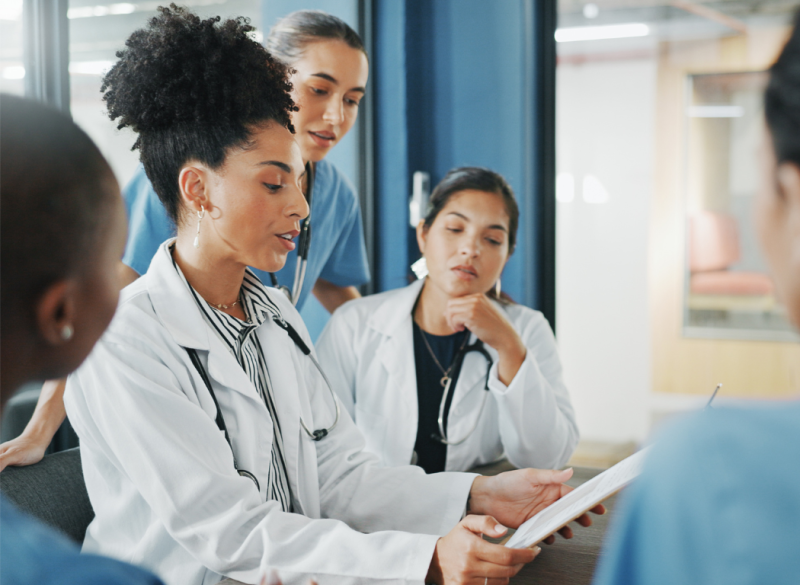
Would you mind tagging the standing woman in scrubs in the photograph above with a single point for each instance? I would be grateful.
(211, 444)
(398, 359)
(330, 75)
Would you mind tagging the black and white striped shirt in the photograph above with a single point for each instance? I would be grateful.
(243, 343)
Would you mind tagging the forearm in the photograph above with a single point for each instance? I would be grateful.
(332, 296)
(510, 359)
(49, 413)
(536, 420)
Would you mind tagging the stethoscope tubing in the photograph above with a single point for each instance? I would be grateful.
(442, 438)
(303, 246)
(316, 435)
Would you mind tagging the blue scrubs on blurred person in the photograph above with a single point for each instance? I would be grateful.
(338, 253)
(34, 553)
(718, 502)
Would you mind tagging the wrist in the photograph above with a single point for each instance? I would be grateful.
(38, 434)
(435, 570)
(513, 351)
(479, 496)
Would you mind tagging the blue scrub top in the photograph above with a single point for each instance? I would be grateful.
(30, 552)
(337, 254)
(718, 502)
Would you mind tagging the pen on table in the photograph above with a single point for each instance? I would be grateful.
(713, 394)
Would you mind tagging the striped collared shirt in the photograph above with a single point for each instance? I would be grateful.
(243, 343)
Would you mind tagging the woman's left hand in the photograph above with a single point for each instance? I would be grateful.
(479, 314)
(514, 496)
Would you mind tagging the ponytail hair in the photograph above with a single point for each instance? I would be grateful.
(291, 35)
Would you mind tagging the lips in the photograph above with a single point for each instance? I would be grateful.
(323, 138)
(286, 239)
(465, 272)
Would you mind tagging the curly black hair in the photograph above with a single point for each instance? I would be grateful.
(192, 89)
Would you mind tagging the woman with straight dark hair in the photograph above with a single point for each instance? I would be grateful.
(718, 498)
(447, 373)
(212, 444)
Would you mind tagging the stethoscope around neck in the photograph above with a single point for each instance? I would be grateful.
(316, 435)
(303, 245)
(462, 353)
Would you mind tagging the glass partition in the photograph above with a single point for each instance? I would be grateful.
(728, 292)
(97, 30)
(12, 70)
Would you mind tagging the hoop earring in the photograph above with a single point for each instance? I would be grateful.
(497, 288)
(200, 215)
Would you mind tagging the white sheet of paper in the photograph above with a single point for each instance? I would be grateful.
(578, 501)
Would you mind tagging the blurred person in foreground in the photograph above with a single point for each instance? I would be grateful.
(718, 499)
(62, 233)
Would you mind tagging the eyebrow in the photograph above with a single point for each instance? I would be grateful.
(333, 81)
(491, 227)
(275, 163)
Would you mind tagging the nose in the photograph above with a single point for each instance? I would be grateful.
(470, 246)
(334, 112)
(298, 205)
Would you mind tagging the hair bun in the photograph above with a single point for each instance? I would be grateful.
(182, 70)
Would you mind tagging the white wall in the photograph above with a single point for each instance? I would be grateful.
(605, 128)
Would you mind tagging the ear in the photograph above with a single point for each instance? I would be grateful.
(193, 185)
(788, 178)
(55, 312)
(422, 236)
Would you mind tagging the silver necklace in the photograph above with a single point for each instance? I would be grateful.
(445, 373)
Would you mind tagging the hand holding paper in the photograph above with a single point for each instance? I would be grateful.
(515, 496)
(574, 503)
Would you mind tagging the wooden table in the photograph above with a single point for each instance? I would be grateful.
(567, 562)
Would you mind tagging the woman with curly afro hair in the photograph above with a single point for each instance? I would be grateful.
(195, 410)
(330, 71)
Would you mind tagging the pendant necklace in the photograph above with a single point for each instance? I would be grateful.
(445, 373)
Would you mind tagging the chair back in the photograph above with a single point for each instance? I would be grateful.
(53, 491)
(713, 241)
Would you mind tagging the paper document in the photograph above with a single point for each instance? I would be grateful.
(578, 501)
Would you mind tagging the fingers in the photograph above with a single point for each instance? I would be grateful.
(599, 509)
(566, 532)
(584, 520)
(549, 476)
(504, 570)
(271, 578)
(483, 525)
(13, 455)
(503, 556)
(550, 539)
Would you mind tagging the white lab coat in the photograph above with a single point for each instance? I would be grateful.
(160, 474)
(367, 351)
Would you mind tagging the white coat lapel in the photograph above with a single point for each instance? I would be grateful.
(393, 321)
(224, 369)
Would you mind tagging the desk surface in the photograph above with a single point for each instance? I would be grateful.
(567, 562)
